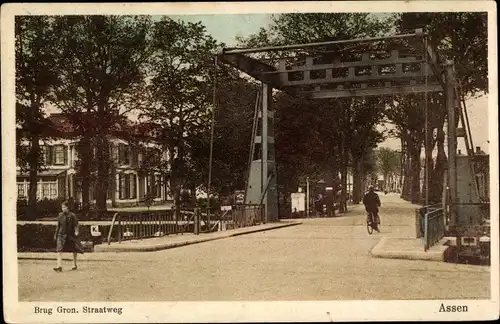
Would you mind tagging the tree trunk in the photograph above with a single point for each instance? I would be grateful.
(429, 167)
(333, 195)
(177, 202)
(85, 171)
(356, 182)
(113, 185)
(402, 165)
(33, 176)
(103, 176)
(439, 168)
(343, 171)
(415, 172)
(407, 182)
(344, 182)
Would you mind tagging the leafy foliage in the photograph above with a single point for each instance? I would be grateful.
(459, 36)
(180, 74)
(34, 44)
(388, 162)
(101, 75)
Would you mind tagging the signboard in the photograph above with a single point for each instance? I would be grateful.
(226, 208)
(239, 196)
(94, 230)
(298, 201)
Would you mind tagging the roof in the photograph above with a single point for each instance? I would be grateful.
(62, 126)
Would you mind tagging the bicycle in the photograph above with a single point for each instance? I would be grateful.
(370, 224)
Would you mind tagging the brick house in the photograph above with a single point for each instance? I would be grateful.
(58, 179)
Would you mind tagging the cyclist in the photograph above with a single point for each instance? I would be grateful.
(372, 202)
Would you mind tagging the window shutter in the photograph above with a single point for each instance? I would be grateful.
(157, 186)
(65, 150)
(53, 155)
(133, 186)
(121, 154)
(46, 155)
(121, 186)
(128, 157)
(133, 152)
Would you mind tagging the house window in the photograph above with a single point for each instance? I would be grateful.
(154, 186)
(45, 190)
(59, 155)
(53, 189)
(21, 193)
(123, 154)
(46, 151)
(127, 186)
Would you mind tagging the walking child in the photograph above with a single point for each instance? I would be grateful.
(66, 236)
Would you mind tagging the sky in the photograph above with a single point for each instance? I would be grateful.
(225, 28)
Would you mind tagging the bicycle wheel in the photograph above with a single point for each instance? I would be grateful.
(369, 224)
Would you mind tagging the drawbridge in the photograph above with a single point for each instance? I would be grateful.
(379, 66)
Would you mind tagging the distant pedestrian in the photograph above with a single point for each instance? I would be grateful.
(66, 236)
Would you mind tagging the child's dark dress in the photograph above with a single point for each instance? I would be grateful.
(66, 240)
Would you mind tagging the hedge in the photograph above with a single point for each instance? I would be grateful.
(39, 237)
(50, 208)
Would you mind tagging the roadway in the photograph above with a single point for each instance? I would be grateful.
(322, 259)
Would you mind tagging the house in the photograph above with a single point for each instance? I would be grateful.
(128, 186)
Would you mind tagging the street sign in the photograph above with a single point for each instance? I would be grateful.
(298, 201)
(94, 230)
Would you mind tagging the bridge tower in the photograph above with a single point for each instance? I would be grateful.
(261, 185)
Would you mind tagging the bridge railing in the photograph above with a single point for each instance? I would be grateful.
(238, 216)
(134, 226)
(137, 226)
(434, 227)
(420, 218)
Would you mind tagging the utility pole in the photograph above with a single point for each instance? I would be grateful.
(307, 197)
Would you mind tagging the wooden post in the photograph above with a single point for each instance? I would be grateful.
(452, 150)
(452, 142)
(196, 221)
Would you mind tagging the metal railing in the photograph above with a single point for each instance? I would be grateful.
(420, 217)
(137, 226)
(133, 226)
(238, 216)
(434, 226)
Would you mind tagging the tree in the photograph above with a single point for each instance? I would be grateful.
(363, 138)
(234, 113)
(101, 81)
(180, 77)
(461, 37)
(387, 164)
(34, 45)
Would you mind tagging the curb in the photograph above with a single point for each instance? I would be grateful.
(166, 246)
(151, 248)
(295, 223)
(436, 254)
